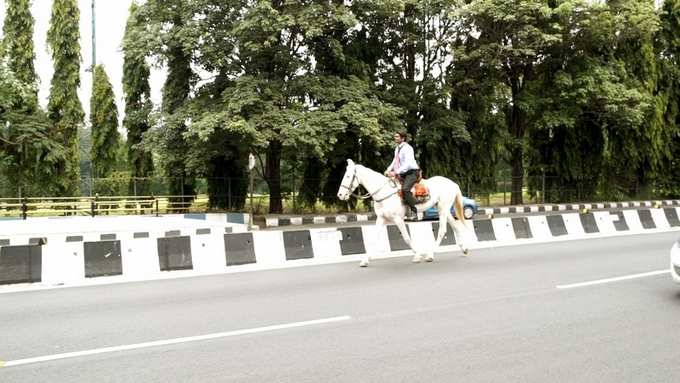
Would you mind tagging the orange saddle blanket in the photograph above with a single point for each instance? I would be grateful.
(419, 191)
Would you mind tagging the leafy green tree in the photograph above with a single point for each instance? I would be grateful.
(104, 125)
(138, 105)
(668, 48)
(28, 153)
(18, 44)
(64, 108)
(511, 39)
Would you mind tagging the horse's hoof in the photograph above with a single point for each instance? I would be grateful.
(417, 259)
(466, 252)
(363, 264)
(429, 258)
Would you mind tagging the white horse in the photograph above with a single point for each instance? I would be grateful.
(388, 206)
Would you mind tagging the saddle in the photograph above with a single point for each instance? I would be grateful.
(419, 190)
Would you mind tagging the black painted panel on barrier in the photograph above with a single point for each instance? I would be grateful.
(352, 218)
(173, 233)
(140, 235)
(284, 221)
(672, 216)
(521, 227)
(484, 230)
(20, 264)
(352, 241)
(396, 241)
(239, 249)
(307, 220)
(102, 258)
(589, 224)
(556, 225)
(646, 219)
(107, 237)
(298, 245)
(174, 253)
(620, 224)
(4, 242)
(449, 237)
(330, 219)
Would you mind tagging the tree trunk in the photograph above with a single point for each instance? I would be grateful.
(516, 160)
(516, 124)
(273, 173)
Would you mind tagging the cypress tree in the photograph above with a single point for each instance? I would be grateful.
(18, 44)
(137, 104)
(64, 108)
(104, 123)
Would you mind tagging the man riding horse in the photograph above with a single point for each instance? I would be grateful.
(405, 166)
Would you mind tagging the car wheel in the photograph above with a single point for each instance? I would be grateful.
(468, 212)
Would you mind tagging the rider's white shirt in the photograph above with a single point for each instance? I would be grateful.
(407, 160)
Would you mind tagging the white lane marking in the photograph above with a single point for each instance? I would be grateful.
(136, 346)
(617, 279)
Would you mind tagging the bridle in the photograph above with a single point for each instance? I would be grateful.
(368, 195)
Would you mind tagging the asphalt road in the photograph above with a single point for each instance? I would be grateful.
(497, 316)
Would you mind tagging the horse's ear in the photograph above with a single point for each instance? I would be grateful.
(350, 162)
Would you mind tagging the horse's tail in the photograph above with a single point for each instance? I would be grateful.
(458, 205)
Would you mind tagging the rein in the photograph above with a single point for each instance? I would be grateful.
(368, 195)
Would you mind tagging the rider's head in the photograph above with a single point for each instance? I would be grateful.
(400, 137)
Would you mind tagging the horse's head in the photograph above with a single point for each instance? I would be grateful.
(349, 181)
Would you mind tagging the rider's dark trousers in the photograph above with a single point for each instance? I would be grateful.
(409, 179)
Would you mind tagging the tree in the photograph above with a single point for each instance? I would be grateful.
(64, 108)
(18, 44)
(28, 152)
(168, 35)
(104, 125)
(668, 47)
(511, 38)
(137, 102)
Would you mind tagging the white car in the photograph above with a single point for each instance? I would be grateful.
(675, 261)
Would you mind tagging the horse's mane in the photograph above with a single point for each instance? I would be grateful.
(370, 171)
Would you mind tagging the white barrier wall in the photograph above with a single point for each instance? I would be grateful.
(193, 249)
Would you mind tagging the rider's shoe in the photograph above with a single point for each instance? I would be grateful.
(411, 215)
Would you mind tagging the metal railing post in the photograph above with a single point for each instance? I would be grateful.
(156, 200)
(93, 205)
(24, 208)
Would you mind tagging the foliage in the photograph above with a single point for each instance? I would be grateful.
(64, 108)
(104, 125)
(137, 91)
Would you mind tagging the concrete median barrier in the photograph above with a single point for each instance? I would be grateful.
(49, 259)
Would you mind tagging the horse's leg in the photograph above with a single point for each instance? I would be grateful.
(440, 234)
(459, 233)
(379, 223)
(401, 225)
